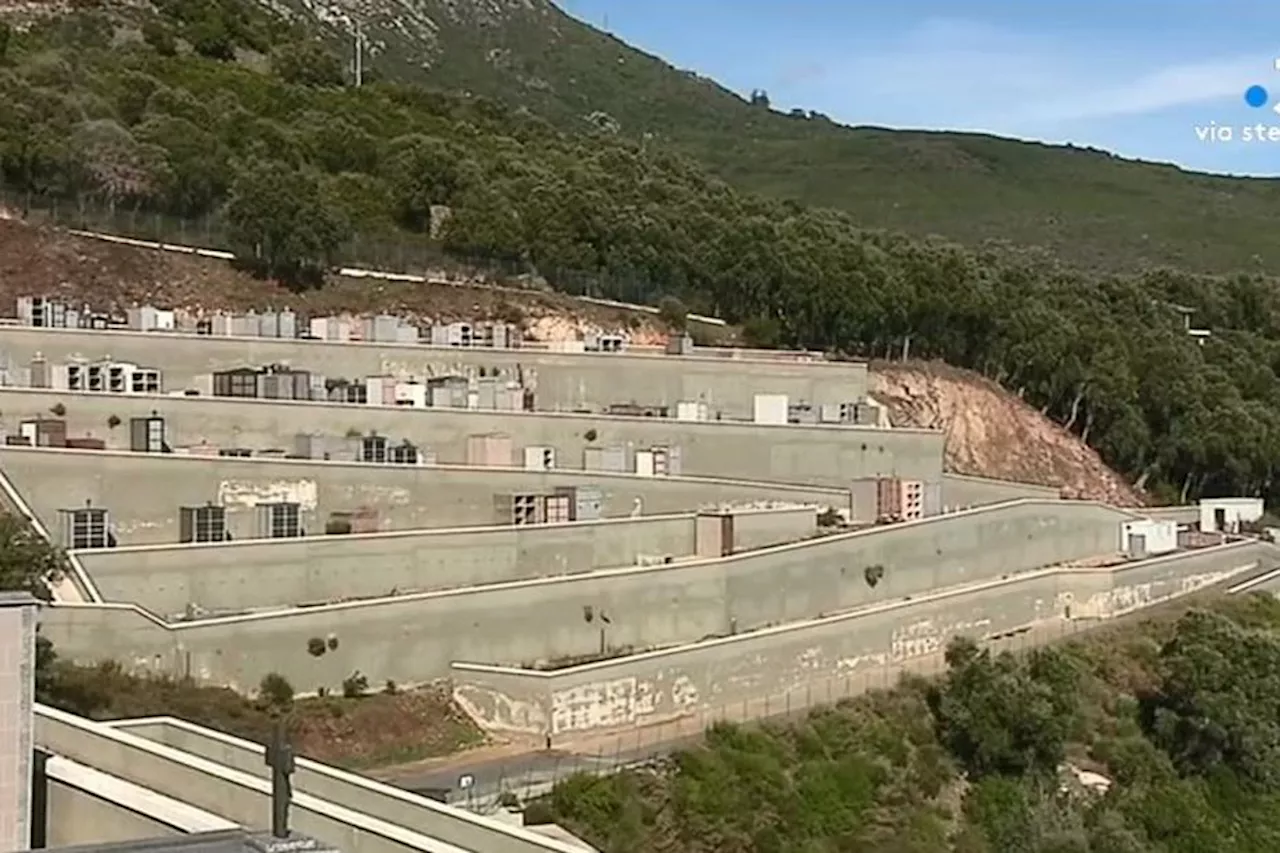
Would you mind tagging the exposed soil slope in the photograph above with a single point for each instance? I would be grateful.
(45, 261)
(991, 433)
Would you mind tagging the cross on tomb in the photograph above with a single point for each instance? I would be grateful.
(280, 760)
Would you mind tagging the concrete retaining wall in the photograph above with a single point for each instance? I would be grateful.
(564, 381)
(415, 638)
(1180, 514)
(404, 497)
(765, 527)
(701, 678)
(269, 574)
(825, 455)
(962, 490)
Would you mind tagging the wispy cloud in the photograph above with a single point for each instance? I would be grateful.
(1153, 91)
(968, 74)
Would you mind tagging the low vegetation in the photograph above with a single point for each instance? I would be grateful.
(1160, 737)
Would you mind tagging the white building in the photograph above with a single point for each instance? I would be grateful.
(1225, 515)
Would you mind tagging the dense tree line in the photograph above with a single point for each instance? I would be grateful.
(292, 166)
(1179, 721)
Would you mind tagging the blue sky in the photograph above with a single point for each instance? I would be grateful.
(1131, 76)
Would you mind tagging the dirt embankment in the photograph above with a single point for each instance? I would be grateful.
(991, 433)
(43, 261)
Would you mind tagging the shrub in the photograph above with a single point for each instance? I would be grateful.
(673, 313)
(315, 647)
(275, 690)
(354, 685)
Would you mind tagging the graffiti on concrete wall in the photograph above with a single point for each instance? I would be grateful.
(1122, 599)
(251, 493)
(927, 637)
(620, 702)
(496, 710)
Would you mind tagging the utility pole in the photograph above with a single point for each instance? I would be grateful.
(280, 760)
(359, 54)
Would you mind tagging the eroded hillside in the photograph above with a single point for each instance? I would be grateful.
(43, 261)
(991, 433)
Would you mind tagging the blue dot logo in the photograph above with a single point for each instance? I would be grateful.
(1256, 96)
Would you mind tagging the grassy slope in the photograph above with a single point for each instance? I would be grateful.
(1089, 207)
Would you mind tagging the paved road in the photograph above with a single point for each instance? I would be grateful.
(525, 774)
(533, 773)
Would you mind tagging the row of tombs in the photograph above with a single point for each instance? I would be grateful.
(476, 388)
(149, 434)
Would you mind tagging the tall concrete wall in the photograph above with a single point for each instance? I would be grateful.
(329, 783)
(563, 381)
(824, 454)
(961, 490)
(245, 797)
(1180, 514)
(702, 678)
(415, 638)
(268, 574)
(404, 497)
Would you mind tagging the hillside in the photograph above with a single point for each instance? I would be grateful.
(1086, 206)
(45, 261)
(991, 433)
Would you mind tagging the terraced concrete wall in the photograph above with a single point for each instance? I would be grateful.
(564, 381)
(960, 490)
(266, 574)
(704, 678)
(404, 497)
(823, 455)
(415, 638)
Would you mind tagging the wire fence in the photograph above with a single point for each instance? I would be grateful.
(389, 251)
(488, 786)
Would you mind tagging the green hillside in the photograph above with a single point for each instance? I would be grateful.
(1086, 206)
